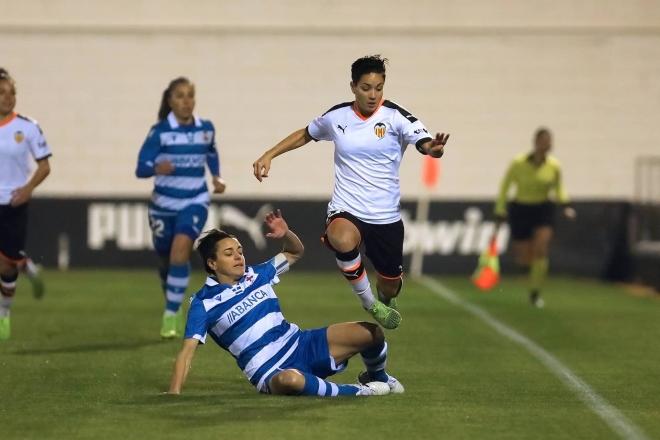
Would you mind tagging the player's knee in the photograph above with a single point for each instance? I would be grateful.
(376, 334)
(342, 243)
(521, 262)
(179, 255)
(287, 382)
(540, 251)
(342, 236)
(522, 259)
(9, 263)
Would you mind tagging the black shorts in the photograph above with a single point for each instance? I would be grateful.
(13, 231)
(383, 243)
(524, 218)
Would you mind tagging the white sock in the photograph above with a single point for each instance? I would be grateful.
(5, 305)
(366, 297)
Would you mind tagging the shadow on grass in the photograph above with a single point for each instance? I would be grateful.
(235, 402)
(88, 348)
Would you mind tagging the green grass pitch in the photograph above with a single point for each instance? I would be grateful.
(87, 362)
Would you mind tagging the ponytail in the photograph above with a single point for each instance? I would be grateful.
(165, 108)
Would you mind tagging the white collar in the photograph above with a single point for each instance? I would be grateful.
(175, 124)
(211, 282)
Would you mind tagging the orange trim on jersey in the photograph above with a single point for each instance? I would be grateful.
(360, 115)
(11, 260)
(8, 119)
(389, 278)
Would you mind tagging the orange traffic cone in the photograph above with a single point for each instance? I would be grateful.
(487, 274)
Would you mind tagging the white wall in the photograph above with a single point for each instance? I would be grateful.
(488, 72)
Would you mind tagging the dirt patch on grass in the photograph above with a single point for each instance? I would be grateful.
(640, 291)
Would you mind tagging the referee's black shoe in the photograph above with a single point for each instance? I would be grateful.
(536, 300)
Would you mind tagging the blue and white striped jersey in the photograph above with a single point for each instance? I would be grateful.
(189, 148)
(245, 319)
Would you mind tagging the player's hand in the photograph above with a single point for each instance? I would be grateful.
(436, 147)
(20, 195)
(276, 224)
(570, 213)
(219, 185)
(164, 168)
(261, 167)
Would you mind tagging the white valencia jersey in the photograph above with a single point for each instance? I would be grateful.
(21, 143)
(368, 154)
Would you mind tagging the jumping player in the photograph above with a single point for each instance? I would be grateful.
(370, 135)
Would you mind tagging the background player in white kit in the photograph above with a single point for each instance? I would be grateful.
(21, 142)
(370, 136)
(238, 308)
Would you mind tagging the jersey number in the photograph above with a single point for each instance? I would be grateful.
(157, 226)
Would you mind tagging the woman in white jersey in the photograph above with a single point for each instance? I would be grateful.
(21, 143)
(370, 136)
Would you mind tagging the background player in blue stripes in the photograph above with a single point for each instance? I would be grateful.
(239, 309)
(176, 151)
(370, 136)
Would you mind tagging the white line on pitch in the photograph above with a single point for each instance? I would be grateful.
(618, 422)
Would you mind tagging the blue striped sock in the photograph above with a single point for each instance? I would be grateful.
(375, 359)
(178, 276)
(315, 386)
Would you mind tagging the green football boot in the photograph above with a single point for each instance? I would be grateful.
(386, 316)
(168, 329)
(388, 302)
(4, 328)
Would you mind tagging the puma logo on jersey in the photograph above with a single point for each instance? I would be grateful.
(343, 129)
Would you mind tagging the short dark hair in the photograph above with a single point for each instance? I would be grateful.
(5, 76)
(367, 64)
(540, 132)
(207, 246)
(165, 108)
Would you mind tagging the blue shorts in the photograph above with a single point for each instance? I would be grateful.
(312, 356)
(165, 225)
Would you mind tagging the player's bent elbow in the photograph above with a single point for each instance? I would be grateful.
(45, 167)
(293, 257)
(142, 174)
